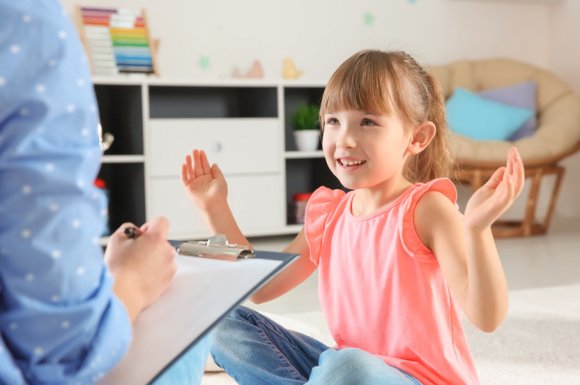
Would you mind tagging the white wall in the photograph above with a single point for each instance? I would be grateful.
(320, 34)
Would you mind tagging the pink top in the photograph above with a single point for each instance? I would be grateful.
(381, 288)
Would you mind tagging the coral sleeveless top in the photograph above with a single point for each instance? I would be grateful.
(381, 289)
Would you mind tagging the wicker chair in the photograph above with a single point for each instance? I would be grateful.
(556, 137)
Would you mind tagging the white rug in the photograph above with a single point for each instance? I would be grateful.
(538, 343)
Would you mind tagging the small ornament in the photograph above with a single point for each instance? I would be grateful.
(289, 70)
(255, 72)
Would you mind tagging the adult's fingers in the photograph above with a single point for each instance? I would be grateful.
(119, 234)
(159, 225)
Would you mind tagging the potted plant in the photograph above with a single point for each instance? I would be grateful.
(306, 129)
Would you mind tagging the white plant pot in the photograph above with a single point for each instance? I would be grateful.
(307, 140)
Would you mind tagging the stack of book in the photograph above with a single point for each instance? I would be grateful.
(117, 41)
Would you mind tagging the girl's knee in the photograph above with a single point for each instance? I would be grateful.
(355, 366)
(237, 327)
(346, 356)
(227, 325)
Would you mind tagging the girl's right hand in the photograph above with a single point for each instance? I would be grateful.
(205, 185)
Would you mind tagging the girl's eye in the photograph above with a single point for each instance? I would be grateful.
(332, 121)
(368, 122)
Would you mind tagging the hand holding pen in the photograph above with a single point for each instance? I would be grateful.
(132, 232)
(142, 262)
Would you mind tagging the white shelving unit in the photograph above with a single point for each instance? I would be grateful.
(244, 126)
(303, 154)
(123, 159)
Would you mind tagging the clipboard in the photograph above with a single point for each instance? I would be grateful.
(210, 282)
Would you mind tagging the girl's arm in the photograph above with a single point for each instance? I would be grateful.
(465, 247)
(207, 188)
(290, 277)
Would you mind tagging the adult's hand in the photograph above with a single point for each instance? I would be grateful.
(143, 267)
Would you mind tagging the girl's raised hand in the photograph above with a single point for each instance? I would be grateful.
(490, 201)
(204, 184)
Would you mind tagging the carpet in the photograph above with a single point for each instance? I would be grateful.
(537, 344)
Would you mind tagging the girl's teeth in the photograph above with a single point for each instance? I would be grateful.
(351, 162)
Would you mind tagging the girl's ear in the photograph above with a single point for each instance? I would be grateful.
(423, 134)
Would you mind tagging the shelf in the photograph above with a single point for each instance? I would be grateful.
(303, 154)
(121, 114)
(123, 159)
(133, 79)
(126, 190)
(295, 96)
(305, 175)
(104, 241)
(172, 102)
(294, 228)
(148, 115)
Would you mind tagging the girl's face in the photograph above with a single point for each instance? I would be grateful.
(363, 149)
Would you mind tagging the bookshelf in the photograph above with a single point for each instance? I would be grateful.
(244, 126)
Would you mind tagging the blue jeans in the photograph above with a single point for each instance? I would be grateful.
(189, 368)
(254, 350)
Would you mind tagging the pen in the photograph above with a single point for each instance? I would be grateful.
(132, 232)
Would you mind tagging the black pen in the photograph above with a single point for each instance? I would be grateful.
(132, 232)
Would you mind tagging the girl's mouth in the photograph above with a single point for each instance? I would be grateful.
(350, 163)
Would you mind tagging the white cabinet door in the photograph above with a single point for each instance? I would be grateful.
(237, 145)
(256, 201)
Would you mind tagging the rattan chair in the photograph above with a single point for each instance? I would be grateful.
(556, 137)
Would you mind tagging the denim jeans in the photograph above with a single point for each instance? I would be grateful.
(189, 368)
(254, 350)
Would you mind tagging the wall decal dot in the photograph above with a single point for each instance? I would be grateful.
(203, 62)
(368, 18)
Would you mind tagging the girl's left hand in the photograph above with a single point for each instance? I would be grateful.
(490, 201)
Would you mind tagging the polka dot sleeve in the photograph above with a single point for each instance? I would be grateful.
(60, 321)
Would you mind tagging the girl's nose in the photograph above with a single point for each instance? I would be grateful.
(345, 138)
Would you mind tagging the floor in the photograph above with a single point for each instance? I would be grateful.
(534, 262)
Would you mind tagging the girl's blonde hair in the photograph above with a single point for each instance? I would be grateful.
(383, 82)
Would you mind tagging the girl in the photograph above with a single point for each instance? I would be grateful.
(397, 260)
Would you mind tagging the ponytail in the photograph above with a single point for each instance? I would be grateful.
(436, 160)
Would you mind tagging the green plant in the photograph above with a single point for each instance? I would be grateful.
(306, 117)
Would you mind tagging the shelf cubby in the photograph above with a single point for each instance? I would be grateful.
(170, 102)
(126, 191)
(294, 97)
(305, 176)
(121, 114)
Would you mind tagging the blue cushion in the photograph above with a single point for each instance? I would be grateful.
(478, 118)
(521, 95)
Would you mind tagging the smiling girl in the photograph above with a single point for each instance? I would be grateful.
(398, 263)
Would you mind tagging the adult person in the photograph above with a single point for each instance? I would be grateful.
(65, 315)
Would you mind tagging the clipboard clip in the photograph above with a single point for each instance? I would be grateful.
(216, 247)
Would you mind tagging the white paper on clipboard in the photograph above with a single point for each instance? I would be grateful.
(203, 291)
